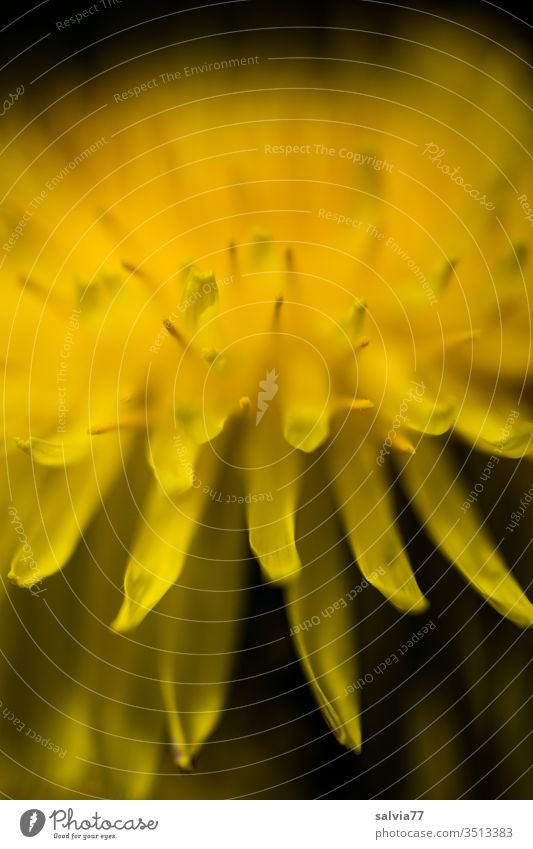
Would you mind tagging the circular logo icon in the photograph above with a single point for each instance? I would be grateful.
(32, 822)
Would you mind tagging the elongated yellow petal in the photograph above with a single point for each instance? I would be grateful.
(130, 726)
(172, 455)
(438, 497)
(159, 552)
(71, 767)
(64, 501)
(116, 679)
(200, 424)
(503, 433)
(426, 414)
(200, 629)
(363, 494)
(272, 482)
(306, 429)
(305, 395)
(322, 614)
(409, 401)
(163, 540)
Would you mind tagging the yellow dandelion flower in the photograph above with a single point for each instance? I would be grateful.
(286, 290)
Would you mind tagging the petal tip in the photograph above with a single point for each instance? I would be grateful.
(183, 760)
(280, 567)
(128, 618)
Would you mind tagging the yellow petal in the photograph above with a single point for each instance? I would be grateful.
(272, 483)
(427, 414)
(305, 395)
(163, 538)
(171, 455)
(115, 681)
(64, 501)
(306, 429)
(199, 423)
(322, 614)
(363, 492)
(200, 625)
(130, 728)
(507, 434)
(159, 550)
(438, 496)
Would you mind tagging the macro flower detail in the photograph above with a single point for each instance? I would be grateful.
(266, 317)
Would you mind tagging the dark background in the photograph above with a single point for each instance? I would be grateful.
(469, 747)
(129, 24)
